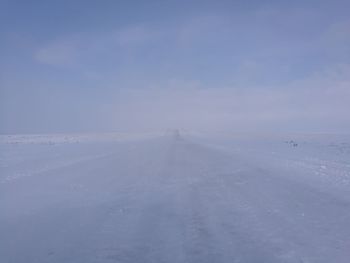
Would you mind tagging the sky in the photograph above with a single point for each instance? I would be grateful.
(139, 66)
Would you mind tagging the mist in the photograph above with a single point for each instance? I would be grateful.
(173, 131)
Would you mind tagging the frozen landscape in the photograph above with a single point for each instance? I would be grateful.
(175, 131)
(174, 198)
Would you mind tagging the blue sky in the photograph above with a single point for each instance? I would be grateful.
(71, 66)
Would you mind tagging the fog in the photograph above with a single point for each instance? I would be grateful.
(194, 131)
(301, 107)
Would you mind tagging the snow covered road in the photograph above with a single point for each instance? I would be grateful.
(164, 199)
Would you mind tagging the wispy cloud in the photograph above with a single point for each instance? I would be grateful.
(81, 49)
(318, 102)
(268, 67)
(135, 35)
(59, 53)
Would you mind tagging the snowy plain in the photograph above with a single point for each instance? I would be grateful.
(169, 198)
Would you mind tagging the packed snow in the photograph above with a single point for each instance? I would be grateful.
(175, 198)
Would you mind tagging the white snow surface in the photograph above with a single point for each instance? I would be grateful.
(174, 198)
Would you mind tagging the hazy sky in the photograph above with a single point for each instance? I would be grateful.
(71, 66)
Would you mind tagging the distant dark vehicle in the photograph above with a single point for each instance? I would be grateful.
(292, 143)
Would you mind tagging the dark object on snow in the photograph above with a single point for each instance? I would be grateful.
(292, 143)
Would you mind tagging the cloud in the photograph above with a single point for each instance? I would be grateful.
(200, 29)
(268, 68)
(316, 103)
(60, 53)
(87, 53)
(135, 35)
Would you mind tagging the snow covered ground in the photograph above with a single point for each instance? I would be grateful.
(164, 198)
